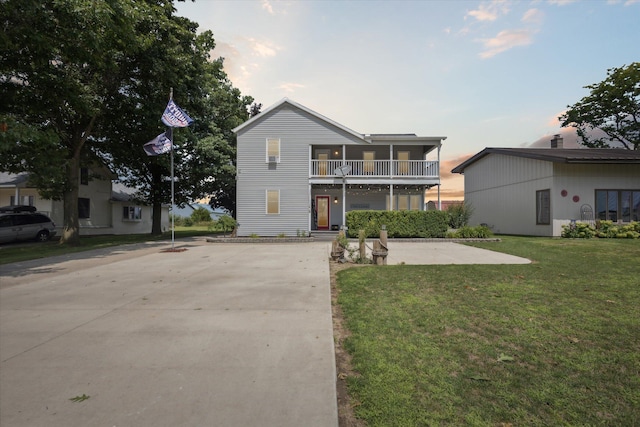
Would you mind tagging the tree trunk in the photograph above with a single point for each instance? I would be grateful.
(71, 230)
(156, 227)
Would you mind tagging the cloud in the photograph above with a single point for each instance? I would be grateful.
(505, 40)
(290, 87)
(447, 165)
(562, 2)
(533, 16)
(266, 5)
(489, 11)
(262, 48)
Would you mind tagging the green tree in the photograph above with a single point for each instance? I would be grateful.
(201, 215)
(613, 107)
(83, 80)
(59, 62)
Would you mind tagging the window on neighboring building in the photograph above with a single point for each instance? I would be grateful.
(22, 200)
(273, 150)
(84, 176)
(132, 213)
(618, 205)
(84, 208)
(543, 207)
(273, 202)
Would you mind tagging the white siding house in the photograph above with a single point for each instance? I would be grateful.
(298, 171)
(534, 191)
(103, 207)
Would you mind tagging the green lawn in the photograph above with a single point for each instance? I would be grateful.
(553, 343)
(23, 251)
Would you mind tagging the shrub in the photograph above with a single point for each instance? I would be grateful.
(399, 223)
(187, 222)
(466, 232)
(226, 223)
(578, 230)
(201, 215)
(459, 215)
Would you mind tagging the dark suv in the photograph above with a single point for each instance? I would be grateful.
(25, 226)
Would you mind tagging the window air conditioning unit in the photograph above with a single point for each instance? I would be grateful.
(274, 159)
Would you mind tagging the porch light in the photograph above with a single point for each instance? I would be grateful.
(336, 153)
(335, 200)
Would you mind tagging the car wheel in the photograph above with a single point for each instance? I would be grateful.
(43, 236)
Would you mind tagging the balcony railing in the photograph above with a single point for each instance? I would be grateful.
(376, 168)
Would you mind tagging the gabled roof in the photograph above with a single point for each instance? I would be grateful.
(284, 101)
(13, 179)
(560, 155)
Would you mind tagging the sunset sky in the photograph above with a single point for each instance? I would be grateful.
(483, 74)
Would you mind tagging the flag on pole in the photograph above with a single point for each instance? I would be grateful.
(174, 117)
(159, 145)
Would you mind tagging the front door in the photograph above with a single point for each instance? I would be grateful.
(322, 212)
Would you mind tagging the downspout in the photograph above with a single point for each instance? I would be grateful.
(344, 187)
(439, 201)
(309, 204)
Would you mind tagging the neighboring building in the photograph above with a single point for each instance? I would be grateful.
(534, 191)
(299, 171)
(103, 207)
(443, 205)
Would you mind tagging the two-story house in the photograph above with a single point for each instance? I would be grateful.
(299, 171)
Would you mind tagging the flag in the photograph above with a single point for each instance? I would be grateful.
(159, 145)
(174, 117)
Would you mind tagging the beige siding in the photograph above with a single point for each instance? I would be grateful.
(502, 191)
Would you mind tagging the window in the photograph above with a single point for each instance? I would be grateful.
(618, 205)
(368, 157)
(416, 202)
(403, 163)
(131, 213)
(84, 176)
(273, 202)
(273, 150)
(84, 208)
(543, 207)
(22, 200)
(403, 202)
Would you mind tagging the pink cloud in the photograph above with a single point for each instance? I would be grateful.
(505, 40)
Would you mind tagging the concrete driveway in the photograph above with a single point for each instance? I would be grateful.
(216, 335)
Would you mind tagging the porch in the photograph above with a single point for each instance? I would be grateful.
(374, 168)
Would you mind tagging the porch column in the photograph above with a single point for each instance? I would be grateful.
(439, 201)
(17, 196)
(310, 209)
(390, 197)
(391, 161)
(344, 202)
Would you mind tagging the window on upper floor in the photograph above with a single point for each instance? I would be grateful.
(273, 150)
(84, 176)
(618, 205)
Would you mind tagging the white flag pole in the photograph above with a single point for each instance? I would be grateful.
(173, 212)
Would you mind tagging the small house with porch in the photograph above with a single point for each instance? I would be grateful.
(299, 171)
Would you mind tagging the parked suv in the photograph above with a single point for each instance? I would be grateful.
(25, 226)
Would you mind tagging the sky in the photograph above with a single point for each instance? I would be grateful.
(482, 73)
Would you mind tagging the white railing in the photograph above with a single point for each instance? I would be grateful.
(376, 168)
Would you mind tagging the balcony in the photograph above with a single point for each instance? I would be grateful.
(375, 168)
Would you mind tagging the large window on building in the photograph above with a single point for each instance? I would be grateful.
(273, 202)
(543, 207)
(84, 208)
(131, 213)
(618, 205)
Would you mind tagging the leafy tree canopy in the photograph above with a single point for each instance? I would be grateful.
(613, 107)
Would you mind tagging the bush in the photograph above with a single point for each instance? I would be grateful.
(398, 223)
(466, 232)
(201, 215)
(602, 229)
(459, 215)
(225, 223)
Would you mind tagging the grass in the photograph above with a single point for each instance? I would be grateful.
(17, 252)
(555, 342)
